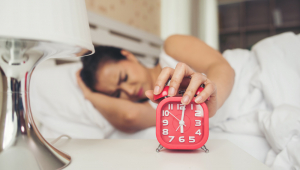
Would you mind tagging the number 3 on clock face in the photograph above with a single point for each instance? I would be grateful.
(179, 126)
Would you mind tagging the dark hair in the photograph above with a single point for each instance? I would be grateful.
(91, 63)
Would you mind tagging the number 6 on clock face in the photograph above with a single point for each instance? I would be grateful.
(181, 126)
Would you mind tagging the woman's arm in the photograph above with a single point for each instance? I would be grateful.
(195, 58)
(204, 59)
(123, 114)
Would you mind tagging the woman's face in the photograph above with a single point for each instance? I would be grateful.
(126, 79)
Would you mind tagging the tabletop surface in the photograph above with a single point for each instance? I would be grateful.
(140, 154)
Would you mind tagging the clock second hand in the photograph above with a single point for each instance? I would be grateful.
(175, 118)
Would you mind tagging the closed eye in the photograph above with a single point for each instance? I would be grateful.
(125, 78)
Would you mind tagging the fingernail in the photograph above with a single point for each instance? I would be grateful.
(198, 99)
(171, 91)
(185, 99)
(156, 90)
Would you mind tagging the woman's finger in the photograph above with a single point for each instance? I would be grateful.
(210, 89)
(196, 80)
(162, 79)
(149, 94)
(182, 70)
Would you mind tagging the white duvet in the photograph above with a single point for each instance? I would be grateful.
(265, 100)
(264, 103)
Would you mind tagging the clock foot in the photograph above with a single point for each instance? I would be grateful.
(205, 149)
(159, 148)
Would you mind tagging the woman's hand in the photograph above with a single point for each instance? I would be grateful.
(87, 92)
(184, 77)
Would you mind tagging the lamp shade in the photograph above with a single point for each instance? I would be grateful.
(58, 21)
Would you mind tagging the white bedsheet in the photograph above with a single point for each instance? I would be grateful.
(265, 100)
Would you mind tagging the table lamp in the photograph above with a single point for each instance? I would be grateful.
(32, 31)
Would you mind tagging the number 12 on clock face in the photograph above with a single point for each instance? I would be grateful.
(179, 126)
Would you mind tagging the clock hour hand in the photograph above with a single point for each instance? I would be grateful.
(175, 118)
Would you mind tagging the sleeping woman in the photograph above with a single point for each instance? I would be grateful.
(118, 86)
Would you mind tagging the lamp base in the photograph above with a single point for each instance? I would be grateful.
(21, 144)
(32, 153)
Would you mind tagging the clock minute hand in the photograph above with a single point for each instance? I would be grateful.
(182, 115)
(181, 122)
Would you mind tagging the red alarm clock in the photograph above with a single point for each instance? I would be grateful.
(179, 126)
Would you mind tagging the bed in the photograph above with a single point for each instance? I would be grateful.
(248, 130)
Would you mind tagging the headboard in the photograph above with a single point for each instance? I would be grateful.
(106, 31)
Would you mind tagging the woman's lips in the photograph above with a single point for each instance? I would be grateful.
(140, 93)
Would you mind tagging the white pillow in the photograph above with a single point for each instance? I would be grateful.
(58, 103)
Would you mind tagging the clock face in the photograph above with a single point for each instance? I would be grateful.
(181, 126)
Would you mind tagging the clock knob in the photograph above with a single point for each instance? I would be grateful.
(200, 89)
(164, 93)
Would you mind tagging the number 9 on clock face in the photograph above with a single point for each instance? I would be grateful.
(181, 126)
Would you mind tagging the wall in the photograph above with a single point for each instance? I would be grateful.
(142, 14)
(198, 18)
(208, 27)
(175, 17)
